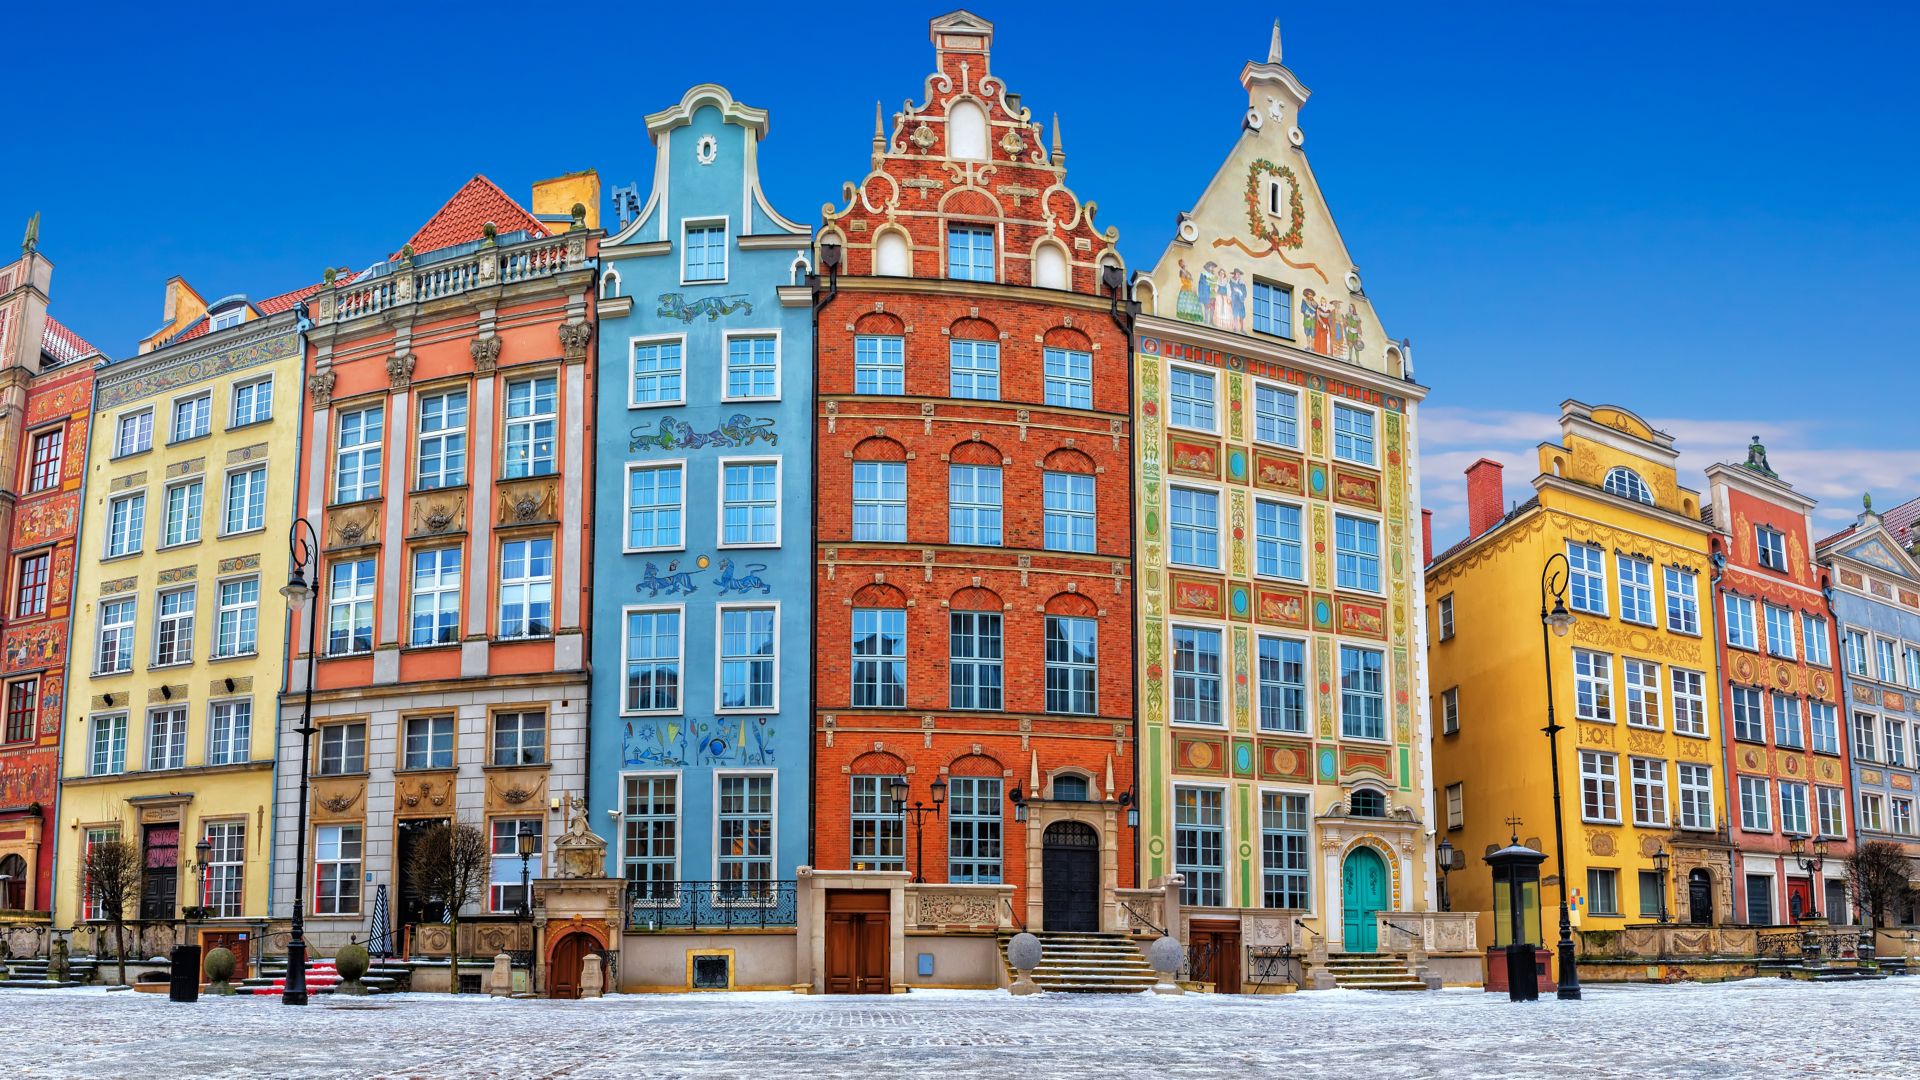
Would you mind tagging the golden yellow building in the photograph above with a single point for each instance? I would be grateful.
(1633, 680)
(178, 633)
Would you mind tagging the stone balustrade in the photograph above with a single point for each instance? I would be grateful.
(1429, 932)
(404, 282)
(1141, 911)
(978, 908)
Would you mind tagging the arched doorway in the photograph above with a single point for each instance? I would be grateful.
(13, 883)
(563, 965)
(1070, 877)
(1363, 893)
(1700, 897)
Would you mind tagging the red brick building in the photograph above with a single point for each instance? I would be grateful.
(974, 606)
(46, 400)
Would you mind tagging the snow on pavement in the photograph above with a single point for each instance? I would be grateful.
(1755, 1028)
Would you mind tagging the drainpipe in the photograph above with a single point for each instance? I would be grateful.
(1126, 315)
(1716, 591)
(821, 298)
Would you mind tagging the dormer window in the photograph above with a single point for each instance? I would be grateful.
(223, 319)
(1627, 484)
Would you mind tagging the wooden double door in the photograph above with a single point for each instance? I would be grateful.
(1214, 954)
(564, 966)
(859, 942)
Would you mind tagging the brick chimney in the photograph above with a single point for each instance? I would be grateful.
(1485, 496)
(1426, 538)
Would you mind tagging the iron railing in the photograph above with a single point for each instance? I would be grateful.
(711, 905)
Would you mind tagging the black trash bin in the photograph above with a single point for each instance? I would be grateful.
(185, 984)
(1523, 973)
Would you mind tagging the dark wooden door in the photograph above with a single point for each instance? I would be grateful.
(859, 942)
(234, 941)
(413, 908)
(160, 871)
(563, 972)
(1216, 948)
(1700, 898)
(1070, 877)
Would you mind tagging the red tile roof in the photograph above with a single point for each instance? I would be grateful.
(1902, 521)
(274, 305)
(462, 218)
(63, 344)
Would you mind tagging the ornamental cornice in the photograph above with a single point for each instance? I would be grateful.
(165, 369)
(1278, 352)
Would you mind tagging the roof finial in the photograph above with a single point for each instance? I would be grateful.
(879, 140)
(32, 239)
(1273, 50)
(1059, 155)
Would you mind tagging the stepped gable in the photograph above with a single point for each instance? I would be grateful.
(464, 218)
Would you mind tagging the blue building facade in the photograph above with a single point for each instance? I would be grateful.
(702, 575)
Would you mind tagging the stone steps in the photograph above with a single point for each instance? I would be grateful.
(1373, 971)
(1088, 964)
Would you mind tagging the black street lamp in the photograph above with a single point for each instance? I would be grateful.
(529, 844)
(1809, 867)
(1131, 804)
(1019, 802)
(1558, 620)
(1661, 860)
(204, 851)
(1443, 854)
(303, 552)
(919, 810)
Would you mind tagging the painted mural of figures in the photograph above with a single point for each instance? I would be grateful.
(1311, 327)
(1186, 304)
(1237, 306)
(1207, 286)
(1351, 326)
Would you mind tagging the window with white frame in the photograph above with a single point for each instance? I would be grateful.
(880, 500)
(879, 832)
(252, 403)
(703, 251)
(504, 867)
(1689, 702)
(974, 369)
(1872, 812)
(343, 748)
(107, 745)
(526, 588)
(973, 505)
(1866, 737)
(229, 732)
(650, 840)
(1444, 617)
(753, 367)
(1450, 710)
(443, 440)
(1191, 395)
(520, 737)
(1749, 722)
(167, 738)
(225, 892)
(114, 652)
(192, 417)
(1896, 741)
(1363, 696)
(974, 829)
(975, 658)
(1068, 378)
(1636, 589)
(1793, 808)
(1741, 630)
(173, 627)
(1272, 309)
(135, 434)
(1683, 601)
(356, 460)
(1586, 579)
(1903, 816)
(126, 524)
(656, 507)
(1282, 678)
(1912, 656)
(1653, 904)
(1599, 787)
(1196, 675)
(657, 373)
(652, 661)
(749, 657)
(1856, 650)
(1073, 665)
(1276, 415)
(1284, 858)
(224, 319)
(1830, 811)
(1353, 438)
(350, 608)
(236, 629)
(1772, 546)
(879, 658)
(1627, 484)
(749, 504)
(970, 252)
(745, 820)
(1592, 686)
(1696, 796)
(1067, 511)
(1787, 731)
(1813, 640)
(1194, 527)
(1603, 892)
(1649, 792)
(336, 869)
(1756, 804)
(90, 908)
(435, 618)
(533, 418)
(43, 469)
(1456, 800)
(1276, 540)
(1779, 630)
(1884, 667)
(183, 515)
(1200, 845)
(879, 364)
(1642, 681)
(1824, 726)
(427, 743)
(246, 508)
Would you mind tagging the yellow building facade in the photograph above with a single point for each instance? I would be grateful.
(1633, 680)
(179, 626)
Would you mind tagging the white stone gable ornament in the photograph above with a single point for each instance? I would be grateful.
(579, 852)
(706, 150)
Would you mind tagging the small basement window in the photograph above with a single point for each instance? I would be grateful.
(712, 971)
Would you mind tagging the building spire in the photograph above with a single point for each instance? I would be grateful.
(879, 140)
(1273, 49)
(32, 239)
(1059, 155)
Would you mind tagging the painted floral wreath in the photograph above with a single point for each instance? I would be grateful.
(1257, 222)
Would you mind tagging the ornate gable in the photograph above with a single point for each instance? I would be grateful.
(1875, 552)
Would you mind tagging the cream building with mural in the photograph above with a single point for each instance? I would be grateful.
(1283, 735)
(179, 626)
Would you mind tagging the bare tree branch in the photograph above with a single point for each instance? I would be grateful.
(450, 866)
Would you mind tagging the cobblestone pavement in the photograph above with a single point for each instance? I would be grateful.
(1759, 1028)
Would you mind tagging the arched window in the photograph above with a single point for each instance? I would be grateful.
(1050, 267)
(879, 832)
(1627, 484)
(1366, 802)
(967, 131)
(610, 284)
(891, 257)
(13, 883)
(1070, 787)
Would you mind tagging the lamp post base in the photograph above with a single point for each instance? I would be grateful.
(1568, 986)
(295, 992)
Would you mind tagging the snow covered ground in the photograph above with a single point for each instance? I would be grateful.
(1759, 1028)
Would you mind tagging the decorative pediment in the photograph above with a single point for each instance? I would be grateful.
(1874, 552)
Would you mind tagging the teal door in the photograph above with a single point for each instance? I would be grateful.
(1363, 891)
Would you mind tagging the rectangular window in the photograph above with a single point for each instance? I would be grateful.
(969, 253)
(429, 743)
(1636, 589)
(746, 834)
(1866, 737)
(167, 739)
(336, 870)
(1903, 816)
(973, 505)
(1073, 665)
(173, 628)
(1586, 579)
(749, 657)
(1856, 646)
(1067, 509)
(652, 661)
(1912, 656)
(1813, 640)
(879, 658)
(880, 501)
(1603, 892)
(1445, 618)
(1284, 851)
(503, 877)
(1194, 516)
(1896, 742)
(1272, 310)
(753, 367)
(1830, 807)
(879, 831)
(350, 608)
(1276, 415)
(1068, 378)
(1779, 631)
(229, 732)
(443, 440)
(135, 434)
(237, 622)
(1871, 813)
(1283, 684)
(1683, 601)
(226, 868)
(126, 524)
(1696, 796)
(357, 449)
(1457, 805)
(1885, 669)
(1741, 631)
(656, 374)
(1196, 676)
(974, 661)
(246, 507)
(1760, 899)
(22, 699)
(1276, 540)
(1450, 710)
(1191, 395)
(1756, 804)
(974, 370)
(1786, 723)
(1599, 787)
(1689, 702)
(252, 402)
(1642, 681)
(704, 248)
(115, 652)
(1772, 545)
(1200, 845)
(1793, 808)
(343, 749)
(520, 737)
(1652, 899)
(1824, 725)
(879, 365)
(1353, 435)
(974, 829)
(533, 418)
(1749, 723)
(1649, 792)
(183, 514)
(750, 504)
(435, 618)
(192, 417)
(107, 746)
(44, 469)
(1593, 686)
(526, 588)
(655, 507)
(650, 848)
(30, 588)
(1363, 696)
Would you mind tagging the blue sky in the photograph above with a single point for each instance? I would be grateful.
(1703, 212)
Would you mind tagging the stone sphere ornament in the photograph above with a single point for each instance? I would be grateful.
(1166, 956)
(220, 965)
(1023, 952)
(351, 963)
